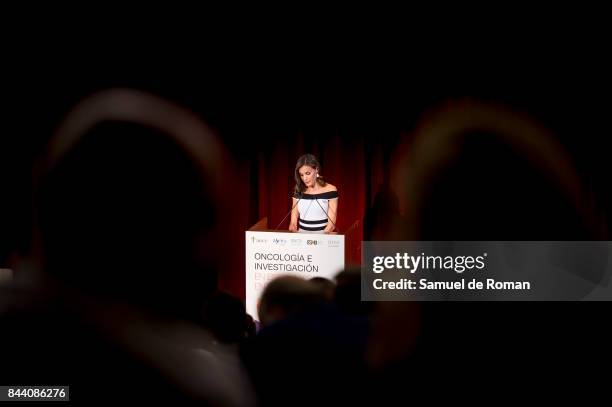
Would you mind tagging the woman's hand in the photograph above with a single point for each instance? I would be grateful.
(293, 227)
(329, 228)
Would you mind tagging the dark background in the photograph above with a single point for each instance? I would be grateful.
(256, 96)
(261, 99)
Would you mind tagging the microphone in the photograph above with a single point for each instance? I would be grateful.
(291, 195)
(326, 214)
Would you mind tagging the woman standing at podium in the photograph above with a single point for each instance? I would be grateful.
(315, 202)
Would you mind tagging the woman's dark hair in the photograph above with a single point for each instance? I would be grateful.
(311, 161)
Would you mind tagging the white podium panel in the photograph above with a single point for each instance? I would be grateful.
(270, 254)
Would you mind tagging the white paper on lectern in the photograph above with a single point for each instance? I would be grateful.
(318, 255)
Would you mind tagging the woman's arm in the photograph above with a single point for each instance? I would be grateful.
(293, 226)
(332, 210)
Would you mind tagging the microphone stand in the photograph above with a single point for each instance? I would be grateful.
(292, 208)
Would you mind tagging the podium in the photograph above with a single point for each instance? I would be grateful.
(273, 253)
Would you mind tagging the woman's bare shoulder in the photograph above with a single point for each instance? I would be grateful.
(329, 187)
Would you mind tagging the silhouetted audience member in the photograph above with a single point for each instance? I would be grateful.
(126, 235)
(347, 295)
(225, 315)
(284, 296)
(309, 351)
(251, 326)
(326, 286)
(476, 171)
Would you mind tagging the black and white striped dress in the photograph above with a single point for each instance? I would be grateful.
(313, 210)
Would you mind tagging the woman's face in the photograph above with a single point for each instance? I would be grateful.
(308, 175)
